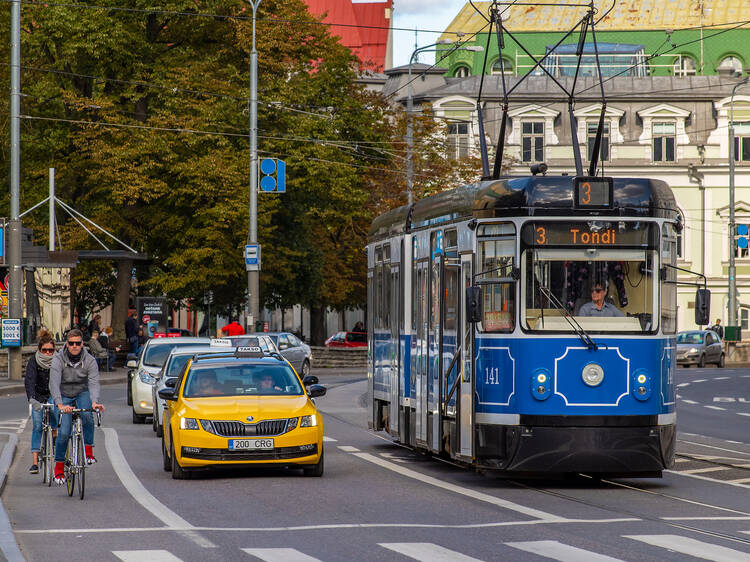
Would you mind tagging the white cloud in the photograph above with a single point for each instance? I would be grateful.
(426, 15)
(426, 7)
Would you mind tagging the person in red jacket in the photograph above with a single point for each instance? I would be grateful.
(233, 328)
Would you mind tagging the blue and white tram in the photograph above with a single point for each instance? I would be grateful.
(478, 349)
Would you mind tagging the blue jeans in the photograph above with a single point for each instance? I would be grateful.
(83, 401)
(36, 433)
(135, 347)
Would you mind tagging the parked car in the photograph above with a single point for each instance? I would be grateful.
(347, 339)
(698, 347)
(294, 350)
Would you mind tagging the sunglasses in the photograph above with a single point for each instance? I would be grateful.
(76, 343)
(48, 350)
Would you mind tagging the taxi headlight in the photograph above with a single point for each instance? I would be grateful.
(592, 374)
(189, 423)
(308, 421)
(146, 377)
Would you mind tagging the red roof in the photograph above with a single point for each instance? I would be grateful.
(363, 26)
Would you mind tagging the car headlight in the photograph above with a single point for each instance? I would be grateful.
(146, 377)
(308, 421)
(693, 350)
(189, 423)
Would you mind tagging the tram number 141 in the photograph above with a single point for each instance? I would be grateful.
(491, 375)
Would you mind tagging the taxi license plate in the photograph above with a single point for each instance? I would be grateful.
(250, 444)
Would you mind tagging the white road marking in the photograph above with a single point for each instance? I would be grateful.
(146, 556)
(721, 378)
(741, 481)
(683, 384)
(279, 555)
(141, 494)
(717, 448)
(702, 470)
(468, 492)
(692, 547)
(699, 380)
(743, 414)
(427, 552)
(705, 478)
(682, 460)
(746, 518)
(348, 448)
(327, 439)
(715, 408)
(690, 402)
(562, 552)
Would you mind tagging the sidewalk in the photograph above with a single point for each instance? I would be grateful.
(118, 375)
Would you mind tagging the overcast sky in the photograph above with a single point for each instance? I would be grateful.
(432, 15)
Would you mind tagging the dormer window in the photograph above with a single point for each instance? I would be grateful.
(663, 142)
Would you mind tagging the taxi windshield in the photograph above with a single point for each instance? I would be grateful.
(177, 364)
(242, 380)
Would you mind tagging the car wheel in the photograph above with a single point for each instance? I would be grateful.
(702, 361)
(315, 469)
(305, 368)
(720, 364)
(166, 461)
(137, 418)
(130, 395)
(177, 471)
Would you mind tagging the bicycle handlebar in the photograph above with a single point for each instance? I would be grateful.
(82, 410)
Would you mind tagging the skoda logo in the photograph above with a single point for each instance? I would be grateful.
(249, 418)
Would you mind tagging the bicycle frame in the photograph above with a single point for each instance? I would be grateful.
(75, 458)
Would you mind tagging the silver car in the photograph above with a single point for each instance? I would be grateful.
(294, 350)
(698, 347)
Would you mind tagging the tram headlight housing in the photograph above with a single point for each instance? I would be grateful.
(592, 374)
(641, 385)
(541, 386)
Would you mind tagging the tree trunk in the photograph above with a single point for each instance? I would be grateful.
(122, 298)
(317, 325)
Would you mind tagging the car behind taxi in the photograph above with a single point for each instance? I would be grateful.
(241, 408)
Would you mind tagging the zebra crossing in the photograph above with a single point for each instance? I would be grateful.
(431, 552)
(13, 426)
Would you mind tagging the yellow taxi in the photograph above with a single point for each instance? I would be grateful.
(241, 408)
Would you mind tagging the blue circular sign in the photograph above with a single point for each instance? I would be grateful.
(267, 183)
(268, 166)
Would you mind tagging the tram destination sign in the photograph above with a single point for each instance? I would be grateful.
(592, 192)
(592, 233)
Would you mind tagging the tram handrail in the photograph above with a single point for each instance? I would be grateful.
(455, 383)
(580, 332)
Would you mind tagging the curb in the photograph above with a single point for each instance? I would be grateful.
(20, 388)
(8, 545)
(6, 458)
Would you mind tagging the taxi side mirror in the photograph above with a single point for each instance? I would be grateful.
(316, 390)
(167, 394)
(131, 364)
(171, 382)
(310, 379)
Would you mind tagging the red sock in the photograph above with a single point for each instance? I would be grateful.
(89, 451)
(59, 469)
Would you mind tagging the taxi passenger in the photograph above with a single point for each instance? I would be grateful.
(268, 384)
(598, 306)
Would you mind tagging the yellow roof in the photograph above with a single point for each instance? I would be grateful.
(627, 15)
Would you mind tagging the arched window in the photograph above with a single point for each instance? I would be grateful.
(684, 66)
(497, 70)
(462, 72)
(732, 62)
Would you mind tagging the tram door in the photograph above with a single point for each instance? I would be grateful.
(466, 386)
(420, 364)
(435, 337)
(393, 358)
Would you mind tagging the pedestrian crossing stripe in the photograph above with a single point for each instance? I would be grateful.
(17, 425)
(425, 551)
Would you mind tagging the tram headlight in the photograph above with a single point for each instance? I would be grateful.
(641, 385)
(540, 384)
(592, 374)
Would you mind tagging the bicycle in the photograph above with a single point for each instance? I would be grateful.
(46, 449)
(75, 456)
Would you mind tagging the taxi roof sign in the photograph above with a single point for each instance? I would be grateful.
(247, 351)
(221, 342)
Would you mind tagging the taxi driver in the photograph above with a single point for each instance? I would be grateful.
(208, 385)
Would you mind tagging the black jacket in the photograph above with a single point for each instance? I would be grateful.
(36, 381)
(131, 327)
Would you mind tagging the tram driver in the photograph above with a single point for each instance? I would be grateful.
(598, 306)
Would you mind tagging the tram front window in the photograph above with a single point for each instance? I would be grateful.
(605, 288)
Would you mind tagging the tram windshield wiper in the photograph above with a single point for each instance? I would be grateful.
(577, 328)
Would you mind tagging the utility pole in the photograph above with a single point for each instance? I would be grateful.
(253, 275)
(15, 289)
(51, 209)
(732, 320)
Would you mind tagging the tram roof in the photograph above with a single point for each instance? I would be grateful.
(524, 196)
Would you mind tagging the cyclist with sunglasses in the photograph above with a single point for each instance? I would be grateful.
(74, 379)
(37, 392)
(598, 306)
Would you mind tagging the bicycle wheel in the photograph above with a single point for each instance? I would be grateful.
(49, 461)
(44, 449)
(81, 466)
(70, 464)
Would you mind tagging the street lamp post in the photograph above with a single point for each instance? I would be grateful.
(732, 320)
(410, 108)
(253, 275)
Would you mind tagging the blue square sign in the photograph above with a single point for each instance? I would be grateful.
(11, 332)
(252, 257)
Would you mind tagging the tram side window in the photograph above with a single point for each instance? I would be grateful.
(495, 260)
(669, 286)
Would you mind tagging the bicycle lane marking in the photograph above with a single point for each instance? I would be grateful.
(143, 496)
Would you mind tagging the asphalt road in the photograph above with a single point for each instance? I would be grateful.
(378, 501)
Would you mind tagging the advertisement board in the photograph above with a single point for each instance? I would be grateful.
(153, 314)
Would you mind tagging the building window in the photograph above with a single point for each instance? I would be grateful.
(497, 70)
(663, 140)
(458, 141)
(462, 72)
(603, 147)
(742, 240)
(532, 141)
(742, 142)
(732, 62)
(680, 239)
(684, 66)
(743, 318)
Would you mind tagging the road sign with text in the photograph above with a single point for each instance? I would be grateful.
(252, 257)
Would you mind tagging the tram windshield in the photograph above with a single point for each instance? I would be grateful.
(604, 274)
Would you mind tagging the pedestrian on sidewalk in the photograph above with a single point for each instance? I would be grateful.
(36, 381)
(718, 329)
(131, 332)
(102, 355)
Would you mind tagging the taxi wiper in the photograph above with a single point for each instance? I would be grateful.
(580, 332)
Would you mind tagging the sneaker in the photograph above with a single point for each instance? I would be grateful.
(90, 458)
(34, 469)
(60, 473)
